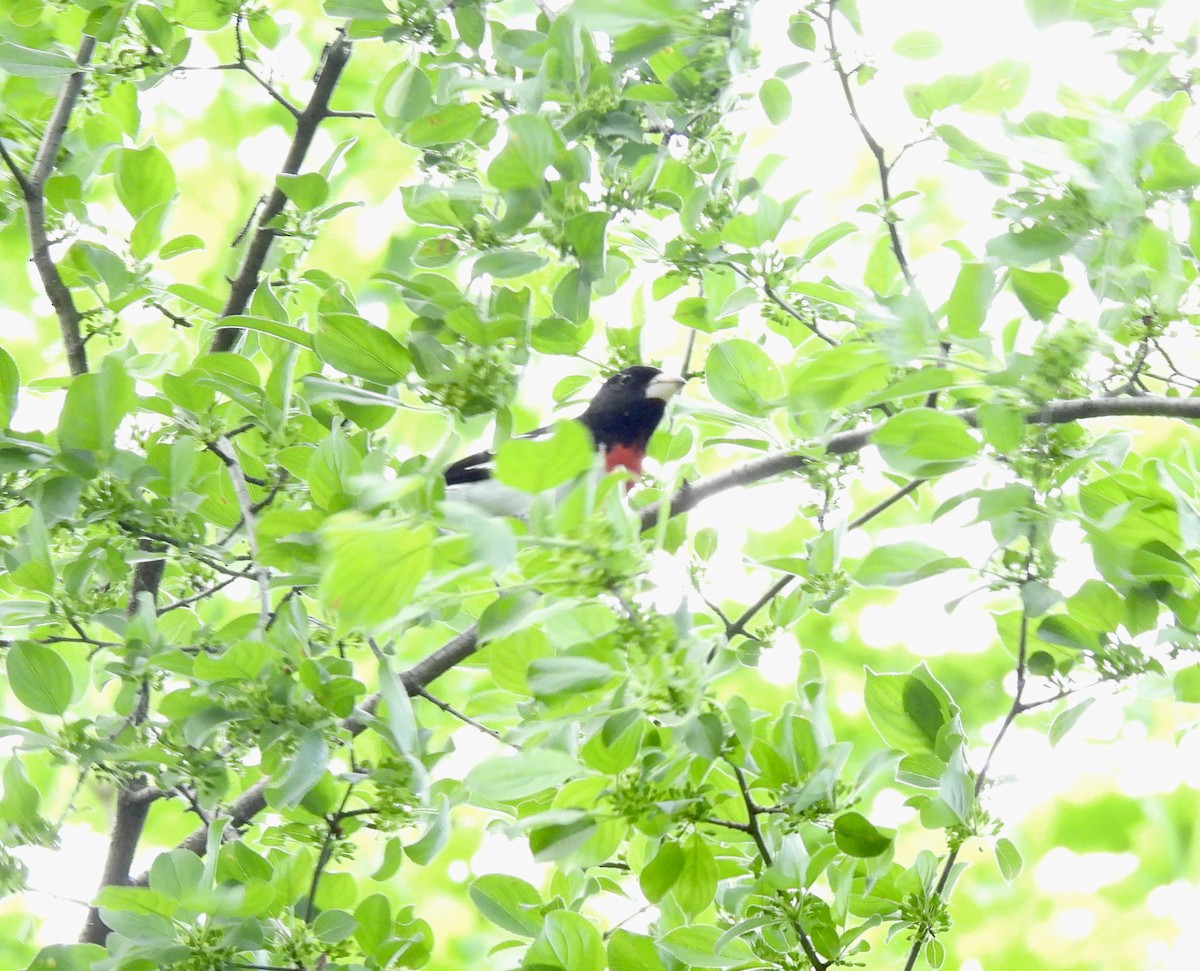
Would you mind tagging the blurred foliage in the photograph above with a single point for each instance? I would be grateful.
(314, 251)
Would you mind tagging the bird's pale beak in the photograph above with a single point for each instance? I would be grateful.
(665, 386)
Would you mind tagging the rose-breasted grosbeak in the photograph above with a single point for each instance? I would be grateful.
(621, 418)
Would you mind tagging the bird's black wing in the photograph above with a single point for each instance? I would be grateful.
(472, 468)
(478, 467)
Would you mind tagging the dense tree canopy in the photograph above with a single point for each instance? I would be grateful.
(888, 660)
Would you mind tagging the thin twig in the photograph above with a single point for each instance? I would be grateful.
(244, 64)
(881, 163)
(981, 778)
(752, 826)
(773, 295)
(195, 598)
(175, 319)
(225, 451)
(756, 834)
(17, 174)
(333, 830)
(739, 625)
(465, 719)
(283, 601)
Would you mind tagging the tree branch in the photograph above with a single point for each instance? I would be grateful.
(329, 72)
(463, 645)
(768, 466)
(132, 803)
(70, 321)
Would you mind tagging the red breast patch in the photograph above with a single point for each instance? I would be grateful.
(624, 457)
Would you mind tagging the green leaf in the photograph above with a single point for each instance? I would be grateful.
(968, 305)
(855, 834)
(332, 926)
(307, 191)
(557, 335)
(180, 245)
(1039, 293)
(401, 723)
(301, 772)
(696, 947)
(586, 234)
(21, 798)
(908, 710)
(837, 378)
(628, 15)
(331, 466)
(567, 941)
(357, 9)
(537, 464)
(508, 902)
(437, 251)
(562, 835)
(919, 45)
(1028, 246)
(504, 264)
(1002, 424)
(632, 952)
(923, 442)
(176, 873)
(373, 917)
(423, 850)
(10, 387)
(696, 885)
(31, 62)
(96, 404)
(742, 376)
(1044, 13)
(374, 568)
(776, 100)
(900, 564)
(518, 776)
(144, 178)
(552, 677)
(39, 678)
(826, 238)
(70, 957)
(453, 123)
(953, 89)
(1008, 857)
(404, 95)
(1002, 87)
(505, 615)
(659, 875)
(262, 325)
(1065, 720)
(1187, 684)
(354, 345)
(532, 146)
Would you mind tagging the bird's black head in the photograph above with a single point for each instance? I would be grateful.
(629, 406)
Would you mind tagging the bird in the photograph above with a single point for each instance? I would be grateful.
(621, 417)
